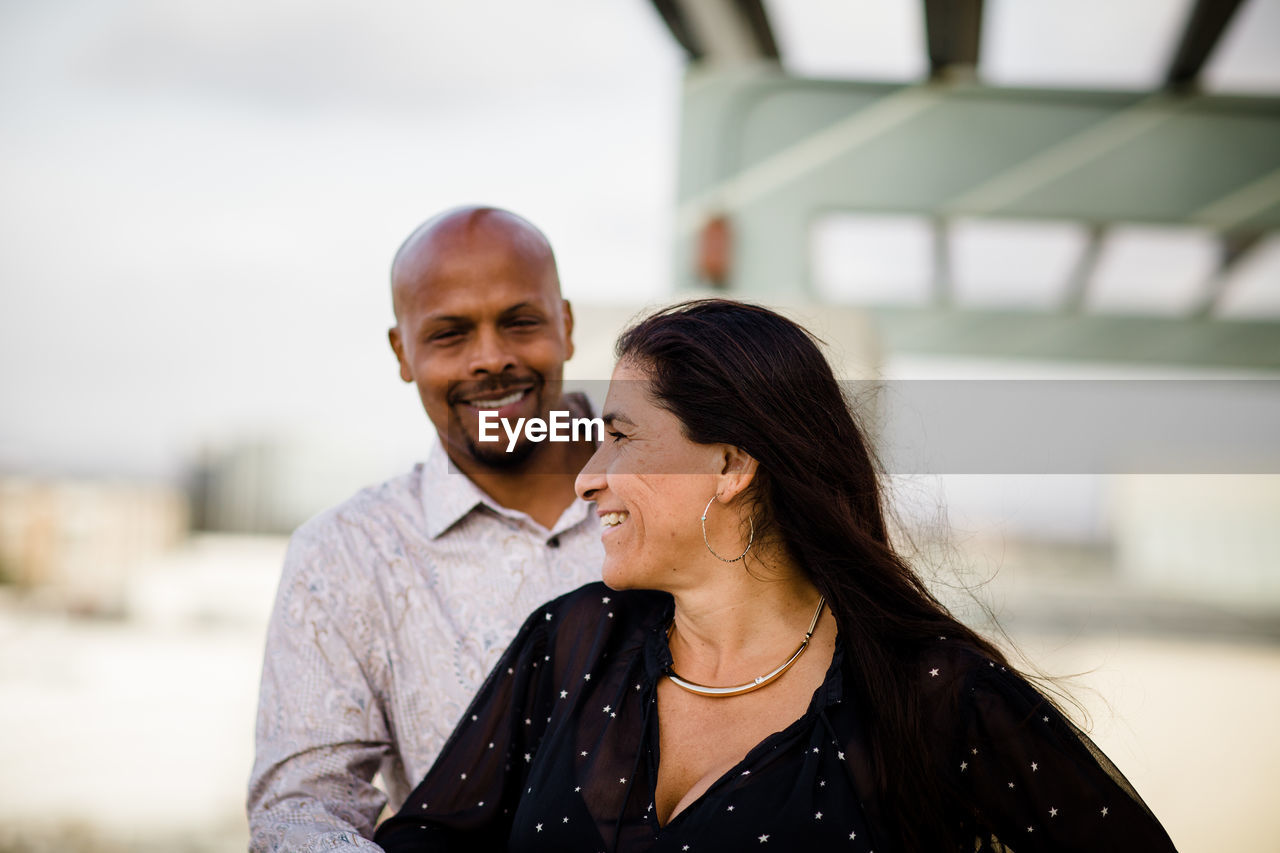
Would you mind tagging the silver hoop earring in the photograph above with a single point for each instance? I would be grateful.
(750, 539)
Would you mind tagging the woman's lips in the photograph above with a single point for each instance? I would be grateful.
(610, 520)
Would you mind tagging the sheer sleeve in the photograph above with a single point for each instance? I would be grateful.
(1031, 781)
(468, 798)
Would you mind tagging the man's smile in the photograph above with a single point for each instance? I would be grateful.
(498, 402)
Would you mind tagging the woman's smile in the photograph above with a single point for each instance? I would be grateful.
(610, 520)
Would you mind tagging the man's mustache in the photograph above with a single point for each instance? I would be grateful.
(463, 392)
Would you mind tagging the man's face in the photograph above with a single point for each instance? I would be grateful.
(481, 325)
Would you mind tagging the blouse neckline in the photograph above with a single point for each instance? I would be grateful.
(657, 657)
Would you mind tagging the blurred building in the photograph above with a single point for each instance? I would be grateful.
(271, 483)
(1214, 538)
(77, 544)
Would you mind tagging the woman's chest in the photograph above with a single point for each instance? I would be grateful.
(792, 791)
(700, 739)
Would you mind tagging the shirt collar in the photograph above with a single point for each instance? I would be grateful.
(448, 496)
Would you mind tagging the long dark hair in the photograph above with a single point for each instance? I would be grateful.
(740, 374)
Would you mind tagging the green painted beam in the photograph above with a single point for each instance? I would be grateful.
(1086, 337)
(760, 135)
(773, 153)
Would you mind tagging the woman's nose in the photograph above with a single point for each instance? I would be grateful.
(590, 479)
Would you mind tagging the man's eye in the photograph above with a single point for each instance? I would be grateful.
(616, 436)
(524, 323)
(444, 336)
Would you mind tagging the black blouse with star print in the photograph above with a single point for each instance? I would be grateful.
(559, 752)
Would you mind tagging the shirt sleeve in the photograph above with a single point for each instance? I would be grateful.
(321, 732)
(468, 799)
(1032, 781)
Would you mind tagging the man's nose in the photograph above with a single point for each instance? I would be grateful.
(490, 353)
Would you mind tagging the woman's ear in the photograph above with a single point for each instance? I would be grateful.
(737, 471)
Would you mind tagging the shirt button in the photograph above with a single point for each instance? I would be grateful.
(553, 542)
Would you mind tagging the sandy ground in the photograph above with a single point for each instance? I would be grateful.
(138, 734)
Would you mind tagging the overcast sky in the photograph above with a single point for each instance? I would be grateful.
(200, 200)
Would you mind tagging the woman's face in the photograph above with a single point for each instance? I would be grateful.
(650, 485)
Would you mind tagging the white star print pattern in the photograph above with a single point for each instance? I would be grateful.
(1001, 793)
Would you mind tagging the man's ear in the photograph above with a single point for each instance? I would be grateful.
(567, 314)
(738, 471)
(397, 346)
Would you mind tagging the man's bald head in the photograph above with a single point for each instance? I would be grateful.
(448, 237)
(480, 325)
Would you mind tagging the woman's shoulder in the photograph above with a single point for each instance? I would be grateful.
(594, 608)
(594, 599)
(962, 687)
(594, 623)
(956, 678)
(950, 664)
(1015, 761)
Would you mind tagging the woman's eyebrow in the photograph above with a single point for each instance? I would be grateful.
(610, 418)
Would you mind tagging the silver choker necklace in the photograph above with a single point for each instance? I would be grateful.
(760, 681)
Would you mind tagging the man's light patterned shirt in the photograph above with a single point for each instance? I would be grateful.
(392, 608)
